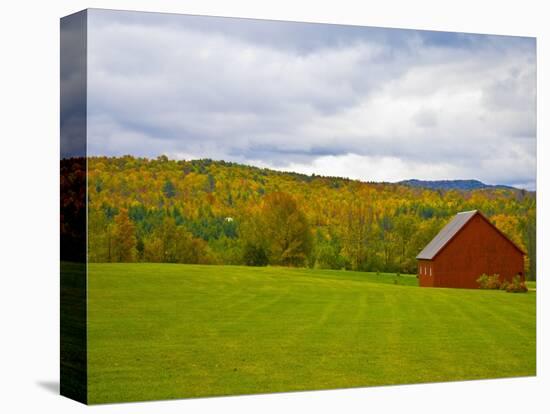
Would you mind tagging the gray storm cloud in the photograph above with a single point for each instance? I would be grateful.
(366, 103)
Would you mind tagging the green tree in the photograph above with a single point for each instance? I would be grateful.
(210, 183)
(254, 255)
(530, 237)
(169, 189)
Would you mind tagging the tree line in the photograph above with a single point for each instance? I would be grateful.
(216, 212)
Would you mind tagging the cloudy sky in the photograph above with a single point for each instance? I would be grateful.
(366, 103)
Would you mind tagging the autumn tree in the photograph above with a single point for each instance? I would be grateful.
(124, 238)
(387, 240)
(357, 232)
(170, 243)
(405, 228)
(286, 230)
(100, 236)
(327, 248)
(255, 244)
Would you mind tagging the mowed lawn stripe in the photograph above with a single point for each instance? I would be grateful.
(159, 331)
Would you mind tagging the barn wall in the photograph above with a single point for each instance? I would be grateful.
(423, 271)
(478, 248)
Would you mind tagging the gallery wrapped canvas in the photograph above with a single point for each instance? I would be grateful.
(253, 206)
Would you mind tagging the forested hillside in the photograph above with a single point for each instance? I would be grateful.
(215, 212)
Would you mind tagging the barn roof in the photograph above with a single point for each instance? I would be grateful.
(445, 235)
(450, 230)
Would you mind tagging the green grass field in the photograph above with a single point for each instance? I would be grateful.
(159, 331)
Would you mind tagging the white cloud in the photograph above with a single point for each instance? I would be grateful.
(385, 168)
(371, 104)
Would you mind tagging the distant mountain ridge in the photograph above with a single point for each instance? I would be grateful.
(452, 184)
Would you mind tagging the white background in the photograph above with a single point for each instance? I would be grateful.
(29, 148)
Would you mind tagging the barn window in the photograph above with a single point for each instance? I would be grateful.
(430, 270)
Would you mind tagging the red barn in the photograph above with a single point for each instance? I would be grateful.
(468, 246)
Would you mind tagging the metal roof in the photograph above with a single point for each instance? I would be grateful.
(446, 234)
